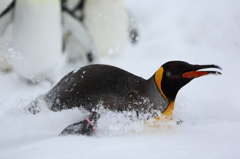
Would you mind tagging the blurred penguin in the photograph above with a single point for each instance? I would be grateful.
(5, 65)
(37, 37)
(108, 22)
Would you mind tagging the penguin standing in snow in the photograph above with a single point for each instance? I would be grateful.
(37, 37)
(118, 90)
(109, 24)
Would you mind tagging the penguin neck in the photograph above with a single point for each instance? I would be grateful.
(157, 78)
(167, 89)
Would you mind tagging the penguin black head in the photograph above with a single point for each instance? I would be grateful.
(173, 75)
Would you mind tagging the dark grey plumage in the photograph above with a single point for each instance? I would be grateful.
(115, 88)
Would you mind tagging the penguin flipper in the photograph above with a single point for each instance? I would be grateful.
(36, 106)
(6, 17)
(179, 122)
(74, 7)
(80, 33)
(84, 127)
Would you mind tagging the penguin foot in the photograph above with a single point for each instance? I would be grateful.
(33, 108)
(179, 122)
(84, 127)
(36, 106)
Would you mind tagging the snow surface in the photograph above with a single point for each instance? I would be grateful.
(201, 32)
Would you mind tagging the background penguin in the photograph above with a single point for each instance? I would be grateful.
(118, 90)
(108, 22)
(37, 37)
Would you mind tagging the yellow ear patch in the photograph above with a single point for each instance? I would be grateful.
(158, 80)
(167, 114)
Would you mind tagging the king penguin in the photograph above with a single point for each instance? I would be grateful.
(109, 23)
(37, 37)
(118, 90)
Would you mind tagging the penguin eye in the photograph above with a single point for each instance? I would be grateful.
(168, 73)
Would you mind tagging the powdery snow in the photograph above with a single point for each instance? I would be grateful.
(201, 32)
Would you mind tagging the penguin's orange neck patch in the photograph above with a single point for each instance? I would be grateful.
(158, 80)
(167, 114)
(168, 111)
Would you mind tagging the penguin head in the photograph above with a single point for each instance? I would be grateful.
(173, 75)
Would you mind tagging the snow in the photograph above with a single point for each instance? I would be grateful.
(199, 32)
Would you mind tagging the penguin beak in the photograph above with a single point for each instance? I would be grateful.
(194, 73)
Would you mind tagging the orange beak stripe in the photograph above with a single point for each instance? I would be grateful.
(194, 74)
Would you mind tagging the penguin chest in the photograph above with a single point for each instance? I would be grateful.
(36, 36)
(37, 22)
(107, 23)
